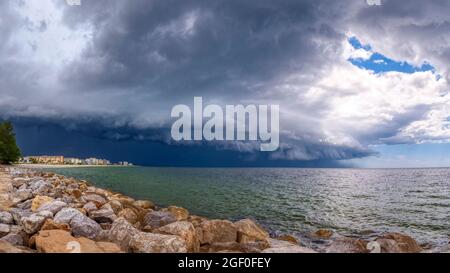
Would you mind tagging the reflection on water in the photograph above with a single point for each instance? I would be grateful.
(350, 201)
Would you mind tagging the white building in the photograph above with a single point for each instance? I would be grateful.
(73, 161)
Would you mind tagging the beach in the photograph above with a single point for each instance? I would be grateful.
(47, 212)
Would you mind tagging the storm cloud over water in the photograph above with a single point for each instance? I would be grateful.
(113, 70)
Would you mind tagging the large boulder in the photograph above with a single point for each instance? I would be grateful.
(66, 215)
(347, 245)
(144, 204)
(80, 224)
(278, 246)
(89, 207)
(60, 241)
(121, 233)
(129, 215)
(40, 200)
(95, 198)
(157, 243)
(4, 230)
(34, 222)
(83, 226)
(156, 219)
(249, 231)
(218, 231)
(22, 195)
(398, 243)
(105, 215)
(17, 182)
(18, 214)
(54, 206)
(186, 231)
(13, 239)
(6, 247)
(6, 218)
(26, 205)
(180, 214)
(40, 187)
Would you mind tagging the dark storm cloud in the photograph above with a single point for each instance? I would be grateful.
(227, 51)
(126, 63)
(171, 48)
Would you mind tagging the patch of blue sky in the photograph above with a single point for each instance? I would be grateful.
(379, 63)
(407, 156)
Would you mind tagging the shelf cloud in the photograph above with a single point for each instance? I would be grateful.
(122, 65)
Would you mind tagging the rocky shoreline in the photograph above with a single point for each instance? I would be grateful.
(49, 213)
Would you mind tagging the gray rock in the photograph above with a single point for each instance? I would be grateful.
(18, 214)
(18, 182)
(95, 198)
(25, 205)
(40, 187)
(156, 219)
(54, 206)
(65, 215)
(13, 239)
(103, 216)
(83, 226)
(34, 222)
(22, 195)
(16, 229)
(4, 230)
(68, 199)
(6, 218)
(45, 213)
(121, 233)
(89, 207)
(157, 243)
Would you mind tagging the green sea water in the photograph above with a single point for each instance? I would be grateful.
(296, 201)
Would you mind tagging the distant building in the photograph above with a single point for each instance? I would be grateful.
(60, 160)
(53, 160)
(96, 161)
(125, 163)
(73, 161)
(25, 160)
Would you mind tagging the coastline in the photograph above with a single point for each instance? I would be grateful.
(43, 211)
(57, 166)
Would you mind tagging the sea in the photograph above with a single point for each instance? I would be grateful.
(297, 201)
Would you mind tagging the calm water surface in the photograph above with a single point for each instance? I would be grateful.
(349, 201)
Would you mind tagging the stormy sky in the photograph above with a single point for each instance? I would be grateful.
(357, 84)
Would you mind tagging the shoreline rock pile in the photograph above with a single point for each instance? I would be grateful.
(50, 213)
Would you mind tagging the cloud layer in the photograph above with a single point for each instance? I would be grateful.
(123, 64)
